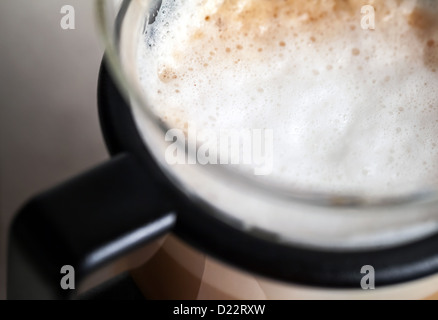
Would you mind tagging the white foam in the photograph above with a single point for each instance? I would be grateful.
(352, 110)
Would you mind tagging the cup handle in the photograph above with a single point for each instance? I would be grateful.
(85, 224)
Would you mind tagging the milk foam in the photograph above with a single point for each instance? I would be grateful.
(352, 110)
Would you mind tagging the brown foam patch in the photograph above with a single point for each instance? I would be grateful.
(261, 18)
(425, 24)
(431, 55)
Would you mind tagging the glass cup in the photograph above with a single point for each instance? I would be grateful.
(354, 224)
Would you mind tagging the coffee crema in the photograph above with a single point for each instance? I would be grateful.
(352, 110)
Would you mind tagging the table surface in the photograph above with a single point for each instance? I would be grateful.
(49, 126)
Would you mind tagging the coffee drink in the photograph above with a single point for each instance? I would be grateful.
(352, 109)
(347, 88)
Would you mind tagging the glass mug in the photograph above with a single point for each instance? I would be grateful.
(233, 236)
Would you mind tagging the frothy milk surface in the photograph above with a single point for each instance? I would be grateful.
(352, 110)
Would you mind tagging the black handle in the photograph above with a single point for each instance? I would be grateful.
(85, 223)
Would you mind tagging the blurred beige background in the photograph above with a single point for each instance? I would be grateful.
(49, 127)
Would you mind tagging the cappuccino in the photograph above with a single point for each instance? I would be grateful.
(352, 110)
